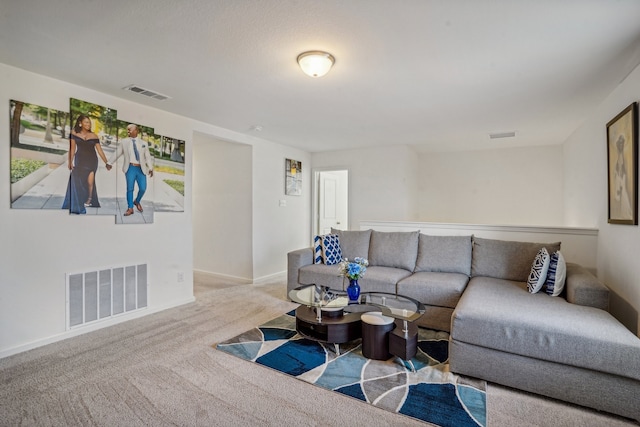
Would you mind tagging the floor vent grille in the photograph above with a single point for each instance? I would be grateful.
(99, 295)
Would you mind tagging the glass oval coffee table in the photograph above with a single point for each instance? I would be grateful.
(326, 315)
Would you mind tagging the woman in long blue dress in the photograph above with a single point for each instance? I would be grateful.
(84, 148)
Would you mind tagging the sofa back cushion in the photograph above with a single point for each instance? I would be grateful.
(353, 243)
(394, 249)
(504, 259)
(446, 254)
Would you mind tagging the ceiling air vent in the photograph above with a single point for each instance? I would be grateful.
(502, 135)
(146, 92)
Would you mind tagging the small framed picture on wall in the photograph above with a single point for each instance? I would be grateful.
(293, 177)
(622, 160)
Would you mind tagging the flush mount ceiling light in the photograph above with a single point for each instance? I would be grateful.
(315, 63)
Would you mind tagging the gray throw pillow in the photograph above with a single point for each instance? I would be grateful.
(353, 243)
(445, 254)
(394, 249)
(505, 259)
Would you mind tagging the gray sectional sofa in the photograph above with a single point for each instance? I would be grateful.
(568, 347)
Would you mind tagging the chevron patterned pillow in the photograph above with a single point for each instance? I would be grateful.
(539, 270)
(317, 250)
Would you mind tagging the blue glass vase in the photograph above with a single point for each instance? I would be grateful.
(353, 290)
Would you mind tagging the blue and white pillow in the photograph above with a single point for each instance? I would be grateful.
(331, 252)
(539, 271)
(557, 274)
(317, 250)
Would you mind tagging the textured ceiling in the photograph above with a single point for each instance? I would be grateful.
(440, 75)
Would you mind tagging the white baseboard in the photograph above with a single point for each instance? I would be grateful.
(205, 274)
(282, 275)
(241, 280)
(91, 328)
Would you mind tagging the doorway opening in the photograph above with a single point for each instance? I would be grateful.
(330, 201)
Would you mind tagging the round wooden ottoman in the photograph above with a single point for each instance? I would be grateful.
(375, 335)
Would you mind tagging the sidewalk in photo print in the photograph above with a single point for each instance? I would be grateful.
(49, 193)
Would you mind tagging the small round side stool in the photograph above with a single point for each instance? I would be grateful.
(375, 335)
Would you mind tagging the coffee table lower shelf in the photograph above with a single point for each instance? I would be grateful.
(330, 329)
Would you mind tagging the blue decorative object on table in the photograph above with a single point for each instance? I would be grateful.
(353, 270)
(353, 290)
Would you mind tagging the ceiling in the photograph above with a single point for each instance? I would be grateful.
(438, 75)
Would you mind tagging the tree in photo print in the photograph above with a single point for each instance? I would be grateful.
(169, 169)
(39, 146)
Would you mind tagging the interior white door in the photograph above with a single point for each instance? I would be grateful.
(332, 201)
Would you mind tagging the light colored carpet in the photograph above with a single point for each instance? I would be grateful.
(162, 370)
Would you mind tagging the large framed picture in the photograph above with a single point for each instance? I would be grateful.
(622, 160)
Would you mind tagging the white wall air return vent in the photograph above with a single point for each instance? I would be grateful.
(103, 294)
(146, 92)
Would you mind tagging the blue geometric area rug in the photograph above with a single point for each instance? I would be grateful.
(431, 394)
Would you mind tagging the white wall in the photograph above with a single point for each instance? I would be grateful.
(222, 207)
(382, 182)
(585, 163)
(511, 186)
(278, 229)
(40, 246)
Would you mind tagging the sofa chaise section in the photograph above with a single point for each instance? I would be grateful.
(548, 345)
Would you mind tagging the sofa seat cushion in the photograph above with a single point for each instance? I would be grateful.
(505, 259)
(451, 254)
(434, 288)
(382, 279)
(503, 315)
(321, 274)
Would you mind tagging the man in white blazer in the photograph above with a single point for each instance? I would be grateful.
(136, 166)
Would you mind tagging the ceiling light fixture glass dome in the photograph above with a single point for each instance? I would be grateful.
(316, 63)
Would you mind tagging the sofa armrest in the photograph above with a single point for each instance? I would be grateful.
(296, 260)
(583, 288)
